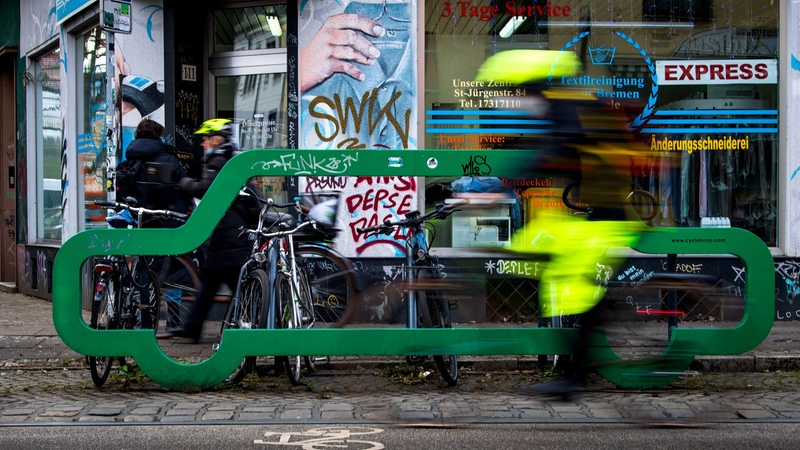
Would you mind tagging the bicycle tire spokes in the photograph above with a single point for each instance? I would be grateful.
(247, 310)
(330, 285)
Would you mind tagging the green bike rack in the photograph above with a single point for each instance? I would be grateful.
(236, 344)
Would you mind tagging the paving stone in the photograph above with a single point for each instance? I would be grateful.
(18, 411)
(139, 418)
(104, 412)
(296, 414)
(256, 417)
(144, 411)
(336, 415)
(181, 412)
(218, 415)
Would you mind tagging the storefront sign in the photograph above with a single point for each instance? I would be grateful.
(509, 9)
(723, 71)
(67, 8)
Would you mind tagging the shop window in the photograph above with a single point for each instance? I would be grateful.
(678, 10)
(91, 124)
(257, 103)
(49, 137)
(686, 84)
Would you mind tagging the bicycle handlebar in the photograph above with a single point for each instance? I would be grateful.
(565, 199)
(262, 233)
(247, 191)
(138, 209)
(413, 219)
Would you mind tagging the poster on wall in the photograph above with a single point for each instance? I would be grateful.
(358, 91)
(139, 70)
(360, 95)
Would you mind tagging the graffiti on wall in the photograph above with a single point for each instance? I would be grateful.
(36, 270)
(718, 286)
(787, 290)
(367, 202)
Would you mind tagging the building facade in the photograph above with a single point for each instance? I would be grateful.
(710, 82)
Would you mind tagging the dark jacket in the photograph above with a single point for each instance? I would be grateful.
(167, 170)
(225, 249)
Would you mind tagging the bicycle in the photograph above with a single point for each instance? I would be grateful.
(288, 283)
(421, 274)
(315, 285)
(126, 290)
(636, 300)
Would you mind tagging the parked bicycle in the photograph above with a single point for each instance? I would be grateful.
(127, 294)
(427, 304)
(294, 278)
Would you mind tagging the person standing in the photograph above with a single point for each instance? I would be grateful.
(226, 252)
(158, 189)
(163, 170)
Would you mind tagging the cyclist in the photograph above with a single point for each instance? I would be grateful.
(226, 252)
(590, 145)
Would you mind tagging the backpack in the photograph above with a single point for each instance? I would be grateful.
(128, 173)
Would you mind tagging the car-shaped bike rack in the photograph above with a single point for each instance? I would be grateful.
(684, 343)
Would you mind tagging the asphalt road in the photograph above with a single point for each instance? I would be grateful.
(467, 436)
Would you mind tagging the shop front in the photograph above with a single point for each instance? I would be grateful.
(702, 86)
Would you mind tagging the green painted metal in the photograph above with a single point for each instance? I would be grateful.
(236, 344)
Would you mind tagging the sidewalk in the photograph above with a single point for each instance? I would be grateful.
(46, 383)
(28, 339)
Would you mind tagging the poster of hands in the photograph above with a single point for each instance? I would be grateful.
(357, 74)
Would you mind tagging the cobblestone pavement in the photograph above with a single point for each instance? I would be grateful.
(43, 381)
(387, 395)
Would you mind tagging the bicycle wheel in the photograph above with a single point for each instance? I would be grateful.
(251, 313)
(332, 282)
(434, 311)
(307, 319)
(145, 297)
(288, 313)
(645, 204)
(102, 318)
(179, 282)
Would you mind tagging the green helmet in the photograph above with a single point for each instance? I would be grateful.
(528, 66)
(215, 127)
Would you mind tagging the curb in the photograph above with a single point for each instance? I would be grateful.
(746, 363)
(703, 364)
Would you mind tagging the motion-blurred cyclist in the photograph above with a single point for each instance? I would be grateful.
(588, 145)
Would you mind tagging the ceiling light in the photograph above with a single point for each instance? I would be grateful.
(274, 26)
(512, 25)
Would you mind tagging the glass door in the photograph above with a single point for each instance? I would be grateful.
(248, 81)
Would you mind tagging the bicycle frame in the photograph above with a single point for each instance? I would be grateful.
(416, 244)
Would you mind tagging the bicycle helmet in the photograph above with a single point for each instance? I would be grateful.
(215, 127)
(528, 66)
